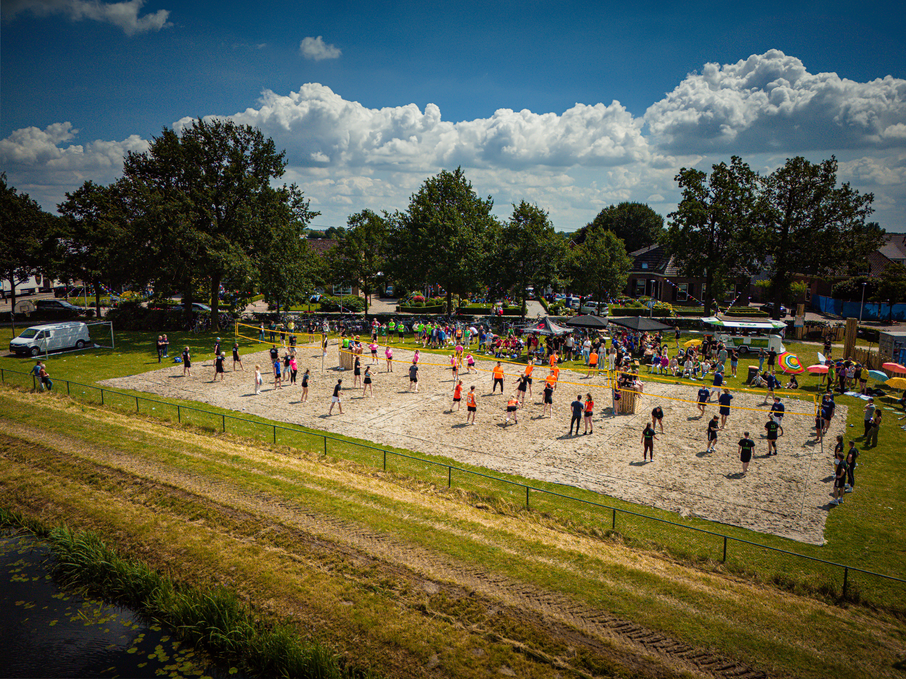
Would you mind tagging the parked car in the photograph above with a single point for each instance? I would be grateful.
(769, 309)
(594, 308)
(196, 307)
(59, 307)
(41, 339)
(389, 290)
(315, 298)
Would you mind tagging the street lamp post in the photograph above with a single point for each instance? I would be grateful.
(862, 305)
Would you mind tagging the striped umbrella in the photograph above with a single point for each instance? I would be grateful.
(790, 363)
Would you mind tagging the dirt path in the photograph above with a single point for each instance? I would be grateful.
(786, 495)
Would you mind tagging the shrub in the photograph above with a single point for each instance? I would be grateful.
(347, 302)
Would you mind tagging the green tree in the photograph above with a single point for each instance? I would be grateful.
(205, 193)
(441, 235)
(636, 223)
(599, 266)
(891, 286)
(26, 237)
(360, 256)
(287, 269)
(712, 232)
(810, 225)
(97, 244)
(530, 252)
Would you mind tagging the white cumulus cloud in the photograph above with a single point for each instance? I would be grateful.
(770, 102)
(316, 49)
(124, 15)
(347, 156)
(316, 125)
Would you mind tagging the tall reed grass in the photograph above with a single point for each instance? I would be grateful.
(213, 619)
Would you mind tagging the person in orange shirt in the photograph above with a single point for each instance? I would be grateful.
(555, 371)
(589, 412)
(554, 359)
(457, 396)
(528, 375)
(511, 407)
(498, 378)
(471, 405)
(592, 363)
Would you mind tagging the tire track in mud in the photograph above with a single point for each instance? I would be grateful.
(558, 614)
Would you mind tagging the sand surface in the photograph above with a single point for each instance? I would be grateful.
(784, 495)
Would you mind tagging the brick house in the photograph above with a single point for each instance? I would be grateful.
(655, 273)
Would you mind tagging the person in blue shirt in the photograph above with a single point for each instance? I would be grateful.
(827, 408)
(718, 382)
(777, 410)
(703, 395)
(724, 400)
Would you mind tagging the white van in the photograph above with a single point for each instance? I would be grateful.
(42, 339)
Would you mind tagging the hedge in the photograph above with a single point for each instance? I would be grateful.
(349, 303)
(746, 311)
(411, 309)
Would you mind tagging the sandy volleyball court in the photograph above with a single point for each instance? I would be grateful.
(785, 495)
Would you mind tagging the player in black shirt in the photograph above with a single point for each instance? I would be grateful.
(713, 426)
(746, 447)
(773, 428)
(648, 437)
(657, 417)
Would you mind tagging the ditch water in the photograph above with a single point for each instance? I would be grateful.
(47, 632)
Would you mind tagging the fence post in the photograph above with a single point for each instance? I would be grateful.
(275, 434)
(325, 446)
(136, 404)
(725, 550)
(223, 422)
(102, 397)
(385, 460)
(67, 387)
(845, 581)
(449, 477)
(2, 377)
(527, 497)
(613, 523)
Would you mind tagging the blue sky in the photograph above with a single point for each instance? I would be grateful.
(574, 106)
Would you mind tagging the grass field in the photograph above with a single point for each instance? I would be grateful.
(866, 532)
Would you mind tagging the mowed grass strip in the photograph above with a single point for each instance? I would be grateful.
(689, 604)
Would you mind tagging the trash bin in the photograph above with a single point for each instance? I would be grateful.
(753, 371)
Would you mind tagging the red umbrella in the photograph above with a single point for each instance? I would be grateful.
(894, 367)
(817, 369)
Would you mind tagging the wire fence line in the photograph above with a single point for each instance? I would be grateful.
(185, 415)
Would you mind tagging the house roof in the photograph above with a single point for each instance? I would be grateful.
(894, 248)
(321, 245)
(654, 259)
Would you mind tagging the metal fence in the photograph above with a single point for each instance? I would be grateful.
(421, 468)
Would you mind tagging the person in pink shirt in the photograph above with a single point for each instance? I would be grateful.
(374, 347)
(388, 352)
(470, 363)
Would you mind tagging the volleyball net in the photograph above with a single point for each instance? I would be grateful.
(277, 337)
(542, 370)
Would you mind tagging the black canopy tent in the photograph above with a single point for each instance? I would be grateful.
(592, 322)
(641, 324)
(545, 327)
